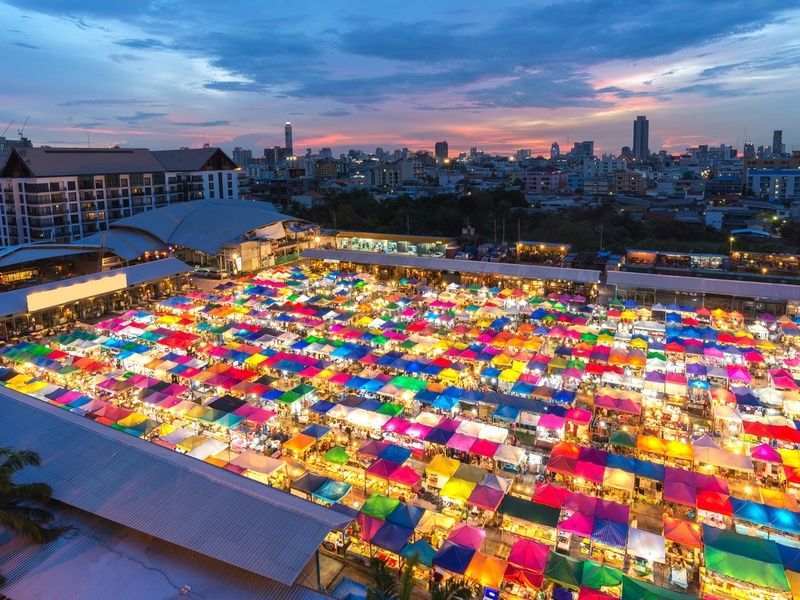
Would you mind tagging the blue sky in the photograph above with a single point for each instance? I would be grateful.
(496, 75)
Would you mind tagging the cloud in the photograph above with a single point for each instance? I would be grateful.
(623, 93)
(112, 102)
(200, 123)
(715, 90)
(143, 44)
(123, 58)
(24, 45)
(86, 125)
(140, 116)
(335, 112)
(234, 86)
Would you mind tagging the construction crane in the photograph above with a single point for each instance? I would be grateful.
(20, 131)
(10, 123)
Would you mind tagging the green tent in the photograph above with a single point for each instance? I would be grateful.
(408, 344)
(379, 506)
(337, 455)
(288, 398)
(596, 575)
(564, 570)
(589, 337)
(408, 383)
(623, 438)
(744, 558)
(533, 512)
(303, 389)
(615, 303)
(657, 355)
(633, 589)
(387, 408)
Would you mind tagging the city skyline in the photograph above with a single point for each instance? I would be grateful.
(497, 80)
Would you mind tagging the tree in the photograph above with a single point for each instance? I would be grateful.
(453, 588)
(19, 510)
(388, 586)
(384, 583)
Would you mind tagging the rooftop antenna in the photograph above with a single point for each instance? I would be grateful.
(21, 131)
(10, 123)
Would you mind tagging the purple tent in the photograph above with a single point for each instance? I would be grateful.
(608, 510)
(680, 493)
(392, 537)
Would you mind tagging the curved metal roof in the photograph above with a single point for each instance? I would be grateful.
(162, 493)
(204, 225)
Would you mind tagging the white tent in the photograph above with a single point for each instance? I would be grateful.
(646, 545)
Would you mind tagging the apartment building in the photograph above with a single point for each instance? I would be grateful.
(63, 194)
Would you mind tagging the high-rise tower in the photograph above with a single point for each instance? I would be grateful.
(287, 132)
(641, 138)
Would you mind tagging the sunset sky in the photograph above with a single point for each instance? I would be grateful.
(496, 75)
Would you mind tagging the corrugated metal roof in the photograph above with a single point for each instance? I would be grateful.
(190, 159)
(706, 285)
(15, 302)
(128, 244)
(15, 255)
(100, 559)
(159, 492)
(205, 225)
(449, 264)
(66, 162)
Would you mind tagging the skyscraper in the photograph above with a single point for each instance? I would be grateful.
(555, 150)
(641, 138)
(749, 149)
(440, 150)
(777, 142)
(287, 132)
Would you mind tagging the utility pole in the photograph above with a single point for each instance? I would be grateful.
(519, 234)
(504, 230)
(495, 232)
(601, 237)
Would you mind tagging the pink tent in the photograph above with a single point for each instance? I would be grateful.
(396, 425)
(528, 554)
(550, 421)
(382, 468)
(405, 476)
(579, 524)
(418, 430)
(589, 471)
(467, 535)
(369, 526)
(483, 447)
(765, 453)
(459, 441)
(550, 495)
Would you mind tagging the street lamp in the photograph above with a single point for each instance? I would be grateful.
(730, 244)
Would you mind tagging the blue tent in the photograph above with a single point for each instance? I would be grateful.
(406, 515)
(506, 413)
(651, 470)
(395, 454)
(454, 558)
(347, 589)
(316, 431)
(618, 461)
(610, 533)
(439, 436)
(332, 491)
(392, 537)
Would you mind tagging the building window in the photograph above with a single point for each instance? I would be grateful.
(123, 182)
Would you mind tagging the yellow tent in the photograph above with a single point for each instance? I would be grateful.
(458, 489)
(678, 449)
(509, 375)
(442, 466)
(132, 420)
